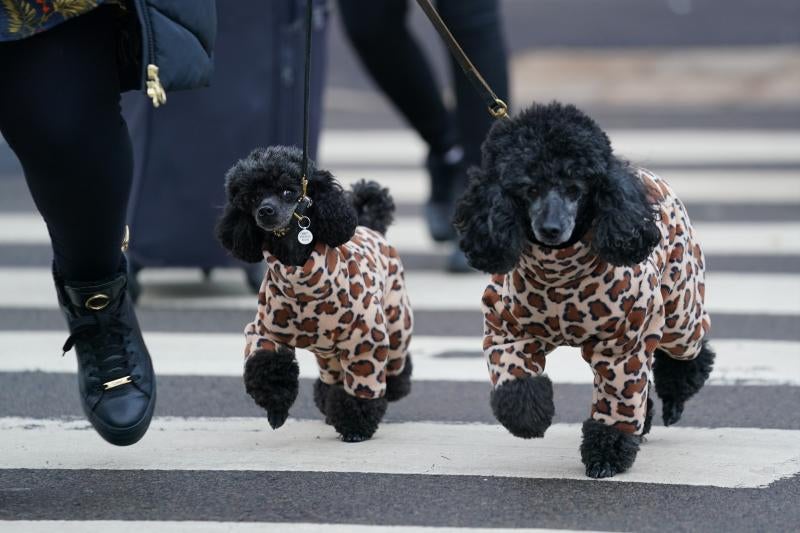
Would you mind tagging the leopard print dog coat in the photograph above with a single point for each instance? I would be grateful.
(348, 305)
(617, 315)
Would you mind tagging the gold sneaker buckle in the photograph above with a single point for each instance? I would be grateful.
(116, 383)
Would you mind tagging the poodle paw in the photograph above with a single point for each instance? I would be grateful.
(399, 386)
(276, 418)
(355, 437)
(671, 411)
(600, 470)
(321, 395)
(271, 379)
(525, 406)
(606, 451)
(356, 419)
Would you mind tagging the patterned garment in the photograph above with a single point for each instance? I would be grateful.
(617, 315)
(23, 18)
(348, 305)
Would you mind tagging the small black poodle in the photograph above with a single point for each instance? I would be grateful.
(586, 251)
(333, 285)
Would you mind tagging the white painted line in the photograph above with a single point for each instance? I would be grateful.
(153, 526)
(739, 362)
(339, 147)
(723, 457)
(727, 292)
(412, 185)
(410, 235)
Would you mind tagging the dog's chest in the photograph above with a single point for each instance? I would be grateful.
(569, 296)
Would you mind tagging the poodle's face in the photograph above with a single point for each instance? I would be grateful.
(264, 192)
(550, 163)
(269, 190)
(552, 200)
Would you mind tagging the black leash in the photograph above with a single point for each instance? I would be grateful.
(497, 108)
(307, 91)
(304, 236)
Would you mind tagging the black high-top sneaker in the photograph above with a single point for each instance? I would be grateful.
(115, 375)
(448, 176)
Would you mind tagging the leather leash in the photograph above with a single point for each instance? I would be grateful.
(497, 107)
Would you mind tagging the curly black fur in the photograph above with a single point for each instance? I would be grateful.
(321, 394)
(606, 451)
(373, 204)
(677, 381)
(271, 170)
(356, 419)
(399, 386)
(540, 149)
(524, 406)
(271, 379)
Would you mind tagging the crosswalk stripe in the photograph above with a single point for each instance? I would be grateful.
(650, 146)
(739, 362)
(410, 235)
(727, 292)
(733, 186)
(158, 526)
(721, 457)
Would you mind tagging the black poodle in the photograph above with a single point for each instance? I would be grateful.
(587, 251)
(333, 285)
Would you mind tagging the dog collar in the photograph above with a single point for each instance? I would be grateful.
(303, 203)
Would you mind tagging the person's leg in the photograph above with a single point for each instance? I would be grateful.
(60, 114)
(380, 36)
(477, 26)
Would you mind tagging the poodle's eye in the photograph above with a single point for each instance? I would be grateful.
(573, 191)
(288, 195)
(534, 191)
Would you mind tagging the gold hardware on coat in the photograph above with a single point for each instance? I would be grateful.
(154, 89)
(126, 239)
(98, 302)
(116, 382)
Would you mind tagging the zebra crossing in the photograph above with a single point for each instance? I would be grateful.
(439, 462)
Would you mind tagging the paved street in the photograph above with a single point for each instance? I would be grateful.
(440, 460)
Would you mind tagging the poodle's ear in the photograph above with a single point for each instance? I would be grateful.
(490, 226)
(625, 231)
(333, 218)
(238, 233)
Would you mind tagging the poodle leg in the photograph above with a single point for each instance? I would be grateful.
(648, 416)
(330, 374)
(612, 435)
(522, 398)
(271, 379)
(677, 380)
(356, 408)
(607, 451)
(398, 378)
(399, 323)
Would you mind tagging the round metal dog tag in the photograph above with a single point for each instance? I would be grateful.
(305, 236)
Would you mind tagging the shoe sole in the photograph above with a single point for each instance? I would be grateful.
(124, 436)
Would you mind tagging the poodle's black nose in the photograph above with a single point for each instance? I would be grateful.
(550, 233)
(266, 211)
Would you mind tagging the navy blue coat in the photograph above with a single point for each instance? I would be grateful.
(178, 37)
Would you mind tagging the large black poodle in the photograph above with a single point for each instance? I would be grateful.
(333, 285)
(590, 252)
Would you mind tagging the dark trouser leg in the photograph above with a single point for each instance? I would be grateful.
(476, 25)
(60, 114)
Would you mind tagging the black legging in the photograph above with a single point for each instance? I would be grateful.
(378, 31)
(60, 114)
